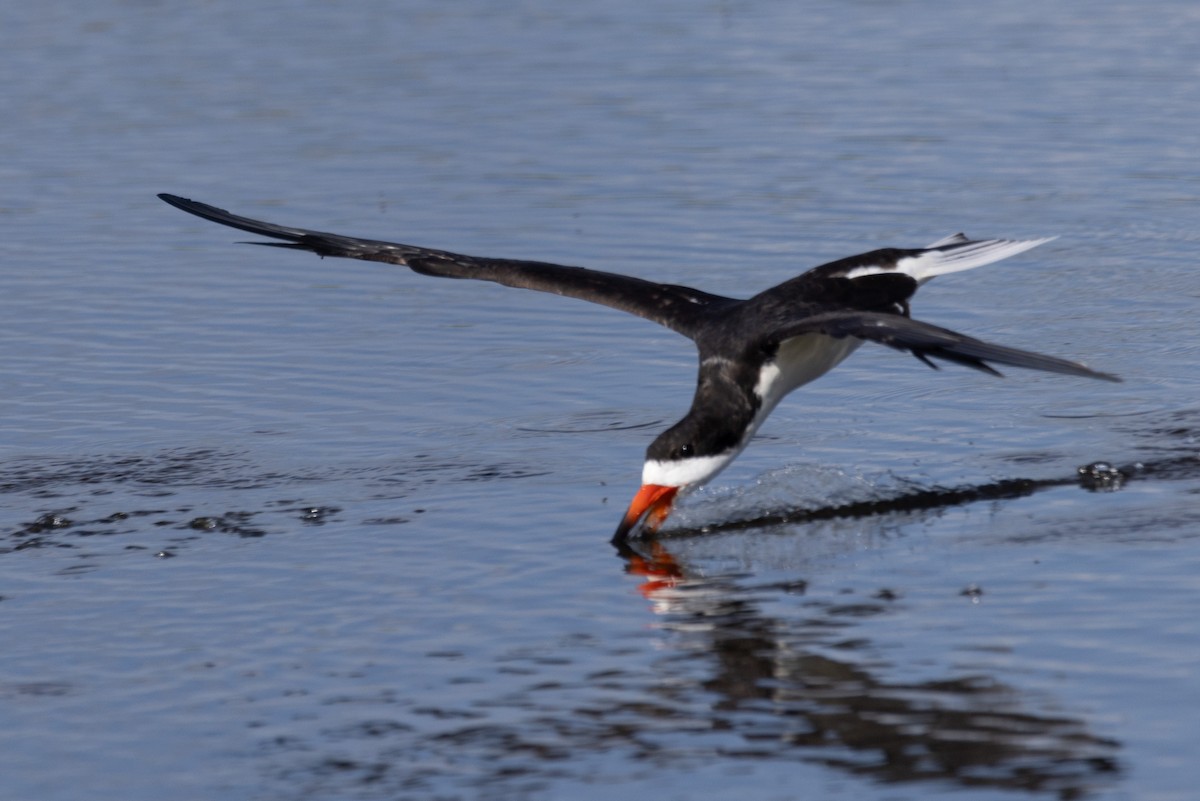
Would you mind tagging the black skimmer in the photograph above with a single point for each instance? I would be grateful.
(752, 352)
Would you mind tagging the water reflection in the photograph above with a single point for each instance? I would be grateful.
(743, 670)
(782, 688)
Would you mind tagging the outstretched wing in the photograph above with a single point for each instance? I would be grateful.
(679, 308)
(927, 342)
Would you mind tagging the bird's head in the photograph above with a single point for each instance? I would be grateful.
(682, 458)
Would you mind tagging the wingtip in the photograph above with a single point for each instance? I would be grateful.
(186, 204)
(1083, 371)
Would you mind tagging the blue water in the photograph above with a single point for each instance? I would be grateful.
(275, 527)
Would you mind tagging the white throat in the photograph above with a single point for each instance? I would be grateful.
(693, 471)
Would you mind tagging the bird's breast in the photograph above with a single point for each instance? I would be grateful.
(797, 361)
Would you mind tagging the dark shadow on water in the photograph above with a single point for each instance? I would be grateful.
(742, 673)
(781, 689)
(797, 689)
(1094, 477)
(746, 674)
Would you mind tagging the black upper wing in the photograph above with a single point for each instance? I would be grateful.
(927, 342)
(682, 309)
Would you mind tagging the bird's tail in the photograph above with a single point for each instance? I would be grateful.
(957, 253)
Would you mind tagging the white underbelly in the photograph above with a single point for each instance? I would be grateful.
(799, 360)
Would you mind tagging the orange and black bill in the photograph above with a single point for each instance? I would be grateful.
(650, 506)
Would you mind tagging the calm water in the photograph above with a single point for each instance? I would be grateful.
(282, 528)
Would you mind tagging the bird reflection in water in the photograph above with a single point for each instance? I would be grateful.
(781, 689)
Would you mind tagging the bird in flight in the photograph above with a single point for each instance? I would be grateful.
(752, 352)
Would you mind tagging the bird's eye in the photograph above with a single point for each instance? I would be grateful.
(686, 450)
